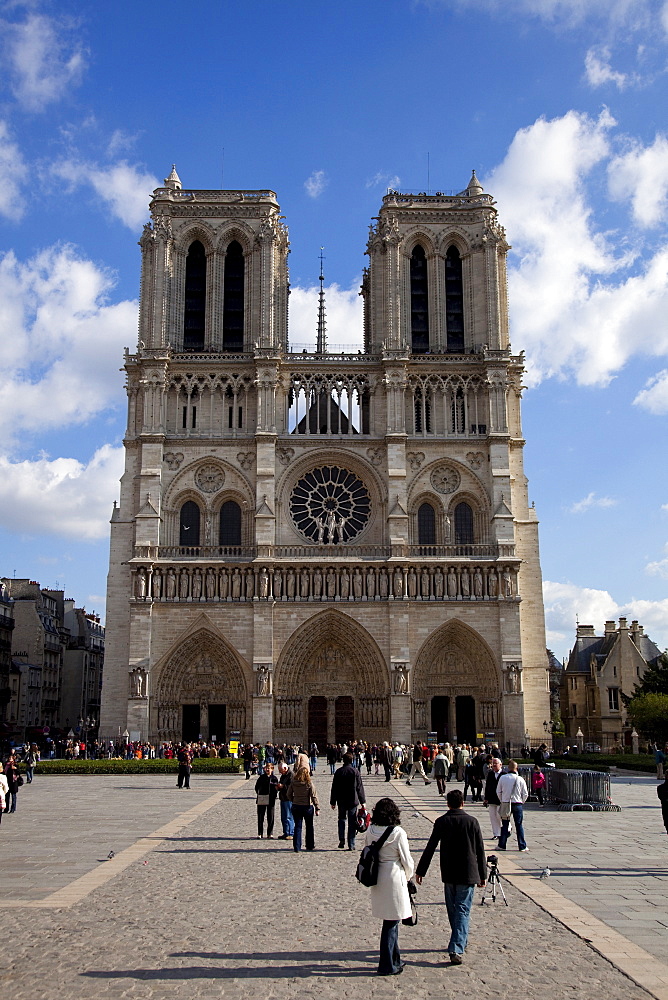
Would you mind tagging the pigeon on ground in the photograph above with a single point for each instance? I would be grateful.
(546, 873)
(111, 855)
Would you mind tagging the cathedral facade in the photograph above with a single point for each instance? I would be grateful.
(314, 545)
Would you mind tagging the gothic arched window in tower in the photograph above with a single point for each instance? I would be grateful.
(426, 520)
(454, 301)
(233, 299)
(195, 298)
(463, 524)
(419, 301)
(230, 524)
(189, 521)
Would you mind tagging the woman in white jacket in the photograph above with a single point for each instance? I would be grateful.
(390, 900)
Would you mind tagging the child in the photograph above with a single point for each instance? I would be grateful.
(538, 783)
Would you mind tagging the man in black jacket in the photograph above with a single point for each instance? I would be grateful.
(347, 793)
(463, 866)
(491, 798)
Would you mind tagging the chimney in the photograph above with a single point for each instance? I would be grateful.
(610, 627)
(622, 625)
(585, 630)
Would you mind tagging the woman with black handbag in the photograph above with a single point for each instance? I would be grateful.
(266, 790)
(14, 781)
(390, 899)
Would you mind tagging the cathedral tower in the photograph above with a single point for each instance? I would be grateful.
(322, 546)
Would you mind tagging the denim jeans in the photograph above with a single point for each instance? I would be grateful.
(349, 815)
(389, 960)
(517, 811)
(287, 822)
(305, 814)
(458, 900)
(313, 761)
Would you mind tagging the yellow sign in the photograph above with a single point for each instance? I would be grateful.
(234, 746)
(479, 736)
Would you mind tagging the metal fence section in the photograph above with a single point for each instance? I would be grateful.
(589, 790)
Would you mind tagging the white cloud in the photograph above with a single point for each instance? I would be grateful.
(660, 566)
(124, 188)
(380, 179)
(591, 500)
(654, 397)
(566, 602)
(570, 13)
(316, 183)
(344, 317)
(60, 496)
(570, 311)
(599, 71)
(14, 173)
(664, 17)
(641, 175)
(62, 340)
(43, 59)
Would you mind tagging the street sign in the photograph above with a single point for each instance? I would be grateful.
(234, 747)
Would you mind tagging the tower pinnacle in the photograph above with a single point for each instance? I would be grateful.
(321, 347)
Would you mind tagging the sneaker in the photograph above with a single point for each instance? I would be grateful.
(455, 959)
(270, 836)
(524, 848)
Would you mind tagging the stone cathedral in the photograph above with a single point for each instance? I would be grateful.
(320, 546)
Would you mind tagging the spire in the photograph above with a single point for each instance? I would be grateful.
(474, 186)
(321, 347)
(173, 181)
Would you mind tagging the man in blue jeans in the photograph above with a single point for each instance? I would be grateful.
(512, 790)
(348, 795)
(463, 866)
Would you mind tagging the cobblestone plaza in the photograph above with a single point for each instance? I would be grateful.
(193, 906)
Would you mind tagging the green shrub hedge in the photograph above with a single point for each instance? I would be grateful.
(201, 765)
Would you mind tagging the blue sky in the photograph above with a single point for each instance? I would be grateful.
(560, 105)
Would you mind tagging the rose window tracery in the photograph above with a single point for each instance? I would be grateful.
(330, 505)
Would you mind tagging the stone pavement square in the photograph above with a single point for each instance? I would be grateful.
(214, 912)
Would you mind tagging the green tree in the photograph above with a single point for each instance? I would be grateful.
(655, 678)
(649, 714)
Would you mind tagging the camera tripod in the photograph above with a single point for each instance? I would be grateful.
(494, 880)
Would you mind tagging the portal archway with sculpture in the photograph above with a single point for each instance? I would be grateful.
(331, 684)
(456, 686)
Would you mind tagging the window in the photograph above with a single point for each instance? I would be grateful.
(426, 525)
(189, 524)
(454, 302)
(463, 524)
(423, 415)
(613, 699)
(419, 301)
(230, 524)
(195, 298)
(574, 683)
(574, 710)
(233, 298)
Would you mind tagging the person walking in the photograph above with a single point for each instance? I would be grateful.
(390, 899)
(285, 776)
(538, 784)
(463, 866)
(266, 790)
(416, 766)
(662, 792)
(439, 771)
(513, 792)
(14, 781)
(385, 758)
(31, 760)
(185, 758)
(491, 798)
(659, 760)
(313, 757)
(304, 800)
(347, 794)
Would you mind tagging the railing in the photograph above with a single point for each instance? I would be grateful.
(240, 553)
(469, 551)
(328, 552)
(231, 553)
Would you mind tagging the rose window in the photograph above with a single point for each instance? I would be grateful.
(330, 505)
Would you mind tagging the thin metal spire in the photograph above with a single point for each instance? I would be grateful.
(322, 322)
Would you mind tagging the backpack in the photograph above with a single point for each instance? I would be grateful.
(367, 866)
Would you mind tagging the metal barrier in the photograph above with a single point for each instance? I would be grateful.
(572, 790)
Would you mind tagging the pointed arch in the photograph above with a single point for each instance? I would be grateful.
(456, 660)
(419, 284)
(194, 312)
(234, 285)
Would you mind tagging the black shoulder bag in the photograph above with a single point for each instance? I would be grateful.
(367, 866)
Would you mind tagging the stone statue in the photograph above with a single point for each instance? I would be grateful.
(224, 584)
(477, 583)
(263, 680)
(278, 584)
(492, 584)
(398, 584)
(412, 583)
(344, 584)
(137, 679)
(331, 583)
(304, 584)
(317, 584)
(170, 584)
(236, 585)
(383, 587)
(331, 527)
(264, 583)
(400, 680)
(439, 584)
(322, 524)
(156, 585)
(197, 585)
(424, 584)
(184, 585)
(465, 585)
(370, 584)
(290, 584)
(452, 583)
(507, 583)
(250, 585)
(358, 584)
(513, 678)
(210, 584)
(140, 585)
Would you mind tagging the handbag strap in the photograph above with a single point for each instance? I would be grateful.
(381, 840)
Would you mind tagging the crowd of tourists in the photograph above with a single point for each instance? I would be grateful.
(16, 762)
